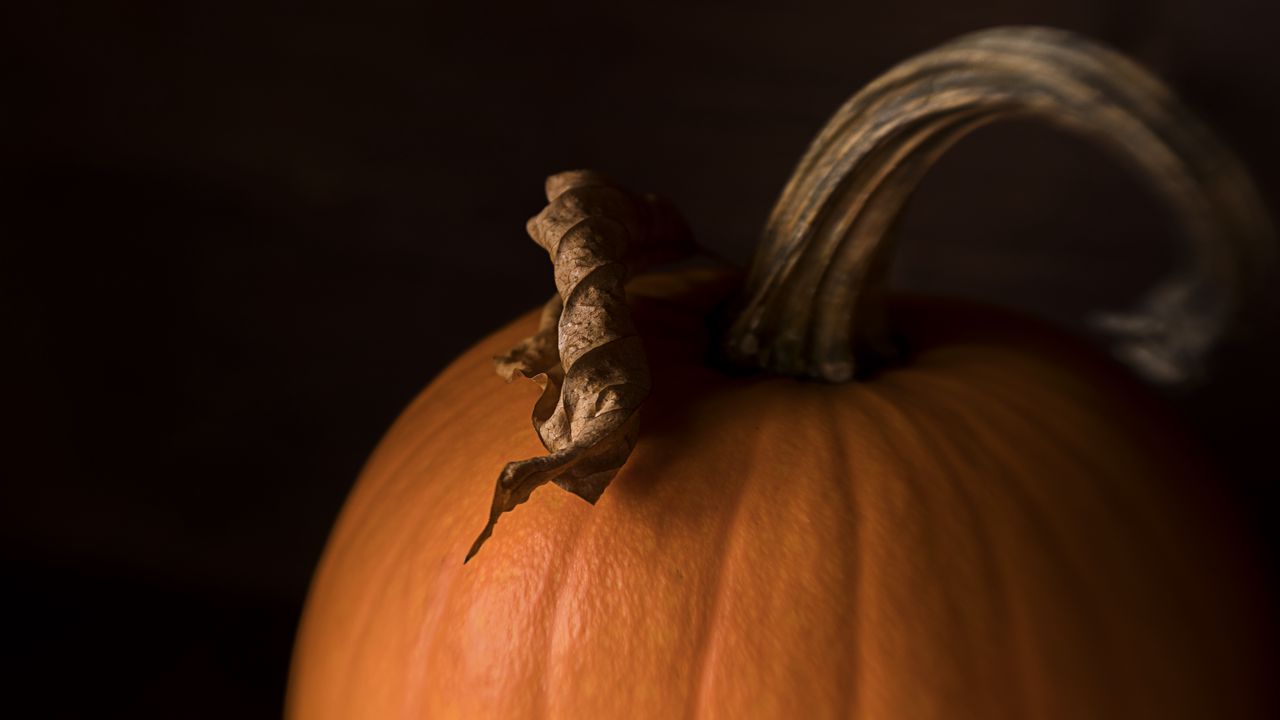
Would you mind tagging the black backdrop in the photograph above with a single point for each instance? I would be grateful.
(236, 235)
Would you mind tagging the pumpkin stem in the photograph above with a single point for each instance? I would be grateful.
(813, 303)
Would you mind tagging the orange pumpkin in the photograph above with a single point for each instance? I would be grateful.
(1002, 524)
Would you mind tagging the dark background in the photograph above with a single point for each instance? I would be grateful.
(237, 235)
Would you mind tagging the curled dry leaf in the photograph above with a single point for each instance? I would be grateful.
(586, 354)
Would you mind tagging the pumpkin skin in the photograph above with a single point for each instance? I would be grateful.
(1003, 526)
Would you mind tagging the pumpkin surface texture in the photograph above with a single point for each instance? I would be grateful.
(998, 528)
(996, 520)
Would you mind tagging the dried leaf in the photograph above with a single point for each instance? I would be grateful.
(537, 354)
(586, 354)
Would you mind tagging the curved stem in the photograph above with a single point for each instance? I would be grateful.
(813, 297)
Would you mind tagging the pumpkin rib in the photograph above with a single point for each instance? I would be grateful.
(697, 701)
(991, 567)
(872, 408)
(908, 432)
(443, 574)
(1106, 495)
(1018, 410)
(406, 550)
(1011, 484)
(732, 542)
(1071, 570)
(574, 567)
(1027, 505)
(1015, 486)
(846, 492)
(924, 426)
(1107, 492)
(380, 566)
(1128, 511)
(570, 560)
(791, 534)
(428, 629)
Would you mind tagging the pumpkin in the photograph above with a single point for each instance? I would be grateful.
(999, 523)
